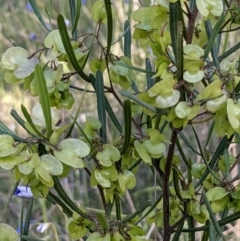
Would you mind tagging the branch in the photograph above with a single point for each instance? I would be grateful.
(165, 188)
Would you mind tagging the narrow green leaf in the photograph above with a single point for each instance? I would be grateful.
(150, 209)
(68, 47)
(76, 115)
(183, 154)
(191, 222)
(84, 135)
(127, 115)
(124, 33)
(72, 6)
(137, 100)
(212, 35)
(5, 130)
(205, 235)
(203, 156)
(176, 237)
(18, 118)
(99, 88)
(224, 144)
(179, 57)
(136, 68)
(108, 7)
(67, 199)
(102, 221)
(75, 17)
(212, 233)
(112, 115)
(108, 108)
(135, 164)
(30, 238)
(231, 218)
(150, 81)
(118, 207)
(138, 211)
(127, 39)
(176, 183)
(229, 52)
(38, 14)
(21, 223)
(226, 162)
(28, 217)
(4, 210)
(173, 25)
(212, 216)
(210, 132)
(185, 139)
(44, 98)
(53, 199)
(29, 120)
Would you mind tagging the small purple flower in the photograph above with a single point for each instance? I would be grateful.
(42, 227)
(23, 191)
(126, 1)
(29, 7)
(67, 22)
(32, 36)
(84, 2)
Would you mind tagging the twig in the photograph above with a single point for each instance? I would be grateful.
(165, 188)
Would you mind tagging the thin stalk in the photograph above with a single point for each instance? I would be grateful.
(166, 176)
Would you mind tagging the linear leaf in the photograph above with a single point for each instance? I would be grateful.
(212, 35)
(137, 100)
(184, 138)
(124, 33)
(210, 131)
(109, 25)
(29, 120)
(76, 115)
(229, 52)
(224, 144)
(127, 114)
(173, 24)
(212, 216)
(203, 156)
(108, 107)
(136, 68)
(99, 88)
(38, 14)
(76, 16)
(30, 238)
(5, 130)
(53, 199)
(179, 230)
(127, 39)
(44, 98)
(138, 211)
(67, 199)
(68, 47)
(112, 115)
(28, 217)
(150, 81)
(18, 118)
